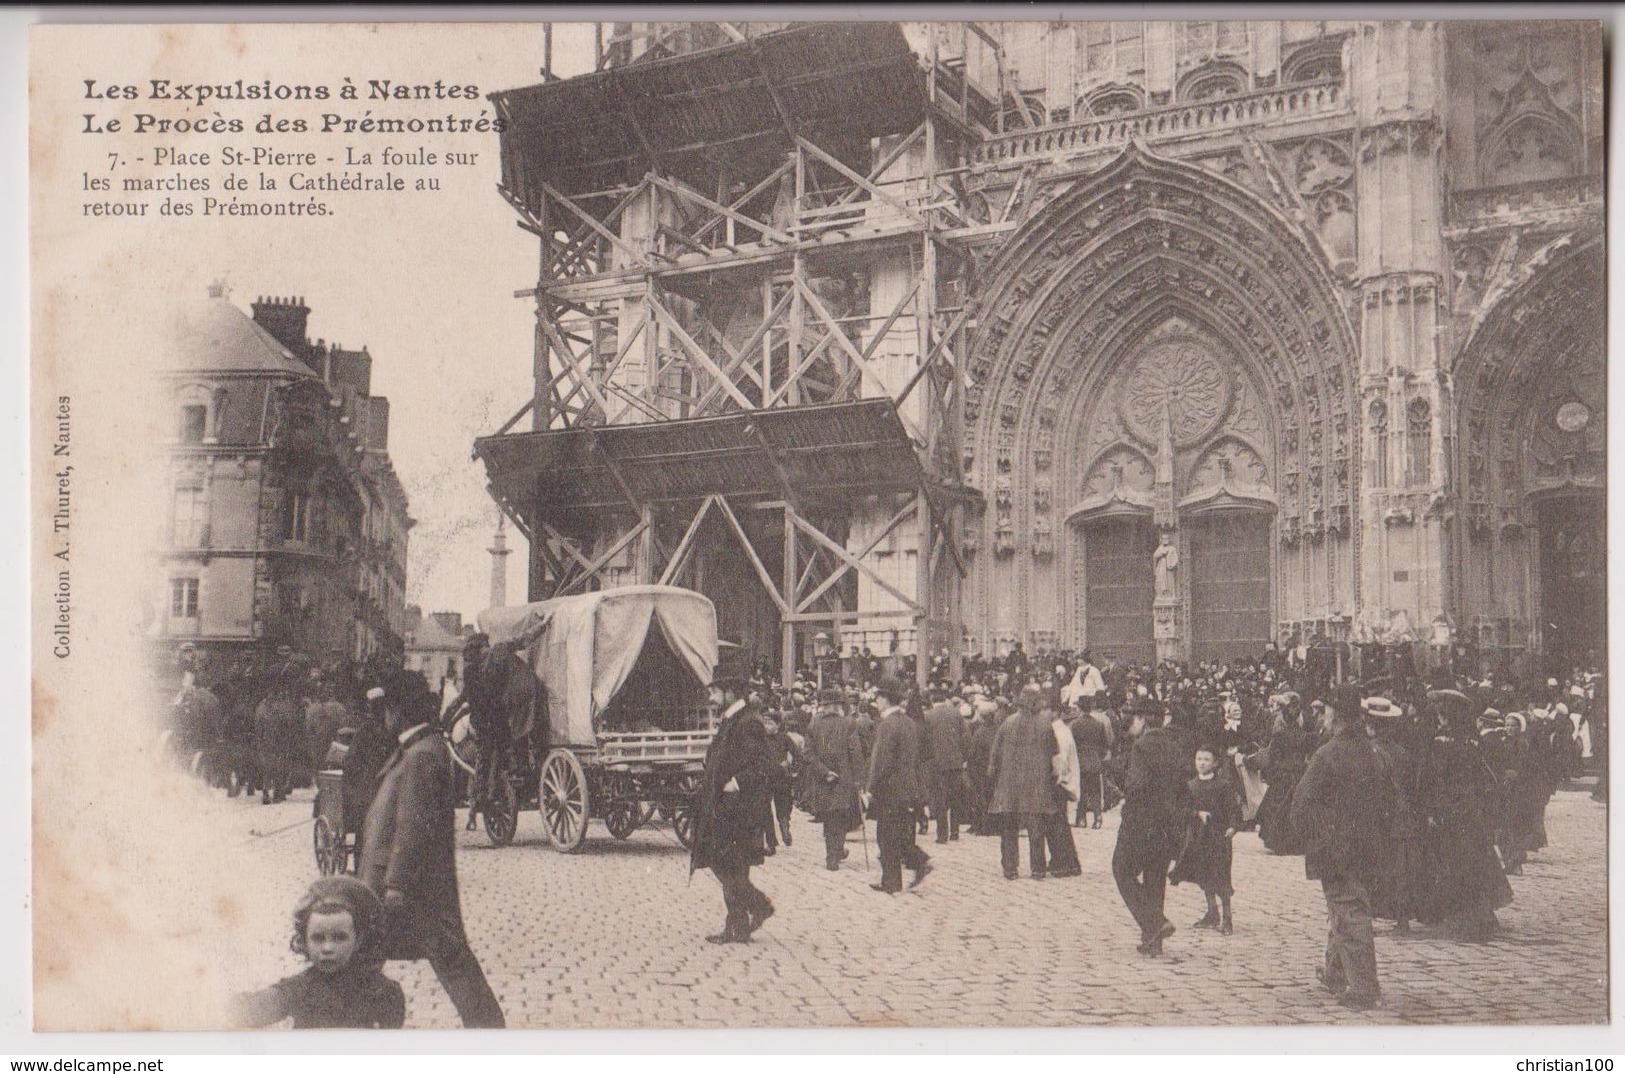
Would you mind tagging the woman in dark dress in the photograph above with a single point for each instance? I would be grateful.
(1459, 879)
(1282, 764)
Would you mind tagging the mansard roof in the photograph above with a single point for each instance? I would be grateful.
(214, 336)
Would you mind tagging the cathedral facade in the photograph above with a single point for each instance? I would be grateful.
(1202, 335)
(1306, 341)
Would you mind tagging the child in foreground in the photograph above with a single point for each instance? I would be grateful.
(338, 927)
(1206, 857)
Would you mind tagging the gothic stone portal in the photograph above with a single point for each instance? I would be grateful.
(1175, 446)
(1160, 353)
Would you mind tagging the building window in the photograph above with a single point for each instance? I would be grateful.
(1533, 148)
(296, 517)
(1378, 427)
(1232, 36)
(1316, 62)
(183, 598)
(293, 598)
(1113, 47)
(194, 423)
(1419, 442)
(1201, 40)
(1113, 99)
(187, 521)
(1216, 79)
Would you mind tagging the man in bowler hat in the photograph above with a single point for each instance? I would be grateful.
(897, 788)
(733, 797)
(408, 852)
(1156, 802)
(1345, 806)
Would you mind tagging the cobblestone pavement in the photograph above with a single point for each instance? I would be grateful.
(612, 938)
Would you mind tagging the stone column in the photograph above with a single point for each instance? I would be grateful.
(1396, 84)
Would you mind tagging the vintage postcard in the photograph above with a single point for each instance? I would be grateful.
(615, 525)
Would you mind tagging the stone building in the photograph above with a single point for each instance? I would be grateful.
(1202, 334)
(288, 525)
(434, 647)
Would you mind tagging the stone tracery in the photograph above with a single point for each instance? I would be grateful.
(1158, 287)
(1531, 383)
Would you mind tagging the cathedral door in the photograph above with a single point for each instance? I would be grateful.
(1230, 585)
(1573, 580)
(1120, 588)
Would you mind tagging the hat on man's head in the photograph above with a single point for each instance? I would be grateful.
(1346, 700)
(732, 672)
(1380, 708)
(892, 689)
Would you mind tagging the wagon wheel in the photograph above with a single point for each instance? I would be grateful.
(624, 817)
(329, 847)
(501, 813)
(564, 801)
(682, 822)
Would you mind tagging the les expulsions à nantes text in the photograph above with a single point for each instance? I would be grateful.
(195, 95)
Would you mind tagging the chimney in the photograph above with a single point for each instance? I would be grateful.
(499, 565)
(285, 319)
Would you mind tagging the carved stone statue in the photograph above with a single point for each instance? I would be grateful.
(1165, 564)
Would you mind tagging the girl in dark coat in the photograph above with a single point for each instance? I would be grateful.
(338, 927)
(1205, 858)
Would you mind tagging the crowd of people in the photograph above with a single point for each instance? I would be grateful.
(1411, 797)
(261, 724)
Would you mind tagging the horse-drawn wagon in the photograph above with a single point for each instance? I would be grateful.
(621, 723)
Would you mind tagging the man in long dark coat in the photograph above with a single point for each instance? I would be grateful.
(1393, 896)
(1156, 801)
(945, 742)
(1022, 777)
(1093, 740)
(370, 747)
(978, 756)
(897, 789)
(834, 772)
(728, 820)
(279, 733)
(408, 853)
(1344, 807)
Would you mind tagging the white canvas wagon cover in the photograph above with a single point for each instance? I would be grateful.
(583, 647)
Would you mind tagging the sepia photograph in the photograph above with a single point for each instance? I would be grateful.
(824, 523)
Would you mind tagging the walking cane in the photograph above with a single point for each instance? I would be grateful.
(863, 830)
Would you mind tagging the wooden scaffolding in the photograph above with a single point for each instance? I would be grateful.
(750, 321)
